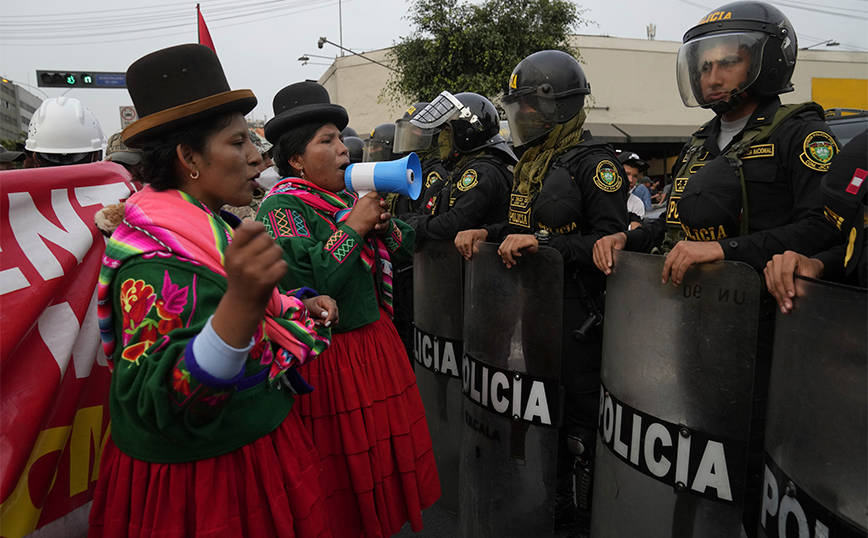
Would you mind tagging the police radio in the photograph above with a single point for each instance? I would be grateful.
(403, 176)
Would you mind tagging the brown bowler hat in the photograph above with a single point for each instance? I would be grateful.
(177, 86)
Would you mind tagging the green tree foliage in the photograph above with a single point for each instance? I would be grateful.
(462, 47)
(11, 144)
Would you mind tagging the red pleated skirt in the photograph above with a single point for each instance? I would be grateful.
(271, 487)
(368, 423)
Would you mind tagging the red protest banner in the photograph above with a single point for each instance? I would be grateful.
(53, 374)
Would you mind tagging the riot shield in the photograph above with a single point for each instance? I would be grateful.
(816, 480)
(438, 347)
(675, 401)
(512, 400)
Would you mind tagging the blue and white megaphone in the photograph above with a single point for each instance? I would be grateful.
(403, 176)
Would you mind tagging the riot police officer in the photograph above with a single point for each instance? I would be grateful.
(378, 147)
(568, 191)
(846, 194)
(356, 147)
(409, 138)
(736, 62)
(477, 191)
(747, 185)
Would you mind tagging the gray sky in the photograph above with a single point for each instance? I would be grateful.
(259, 41)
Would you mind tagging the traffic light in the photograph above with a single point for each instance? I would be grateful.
(80, 79)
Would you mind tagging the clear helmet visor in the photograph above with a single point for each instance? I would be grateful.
(409, 137)
(710, 69)
(531, 114)
(445, 108)
(376, 151)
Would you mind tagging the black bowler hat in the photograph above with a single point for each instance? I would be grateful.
(300, 103)
(177, 86)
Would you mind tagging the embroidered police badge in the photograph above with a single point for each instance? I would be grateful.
(819, 148)
(468, 180)
(519, 210)
(432, 177)
(607, 177)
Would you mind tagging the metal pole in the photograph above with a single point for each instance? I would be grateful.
(322, 41)
(341, 26)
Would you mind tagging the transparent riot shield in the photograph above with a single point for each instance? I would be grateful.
(816, 478)
(677, 374)
(438, 313)
(512, 400)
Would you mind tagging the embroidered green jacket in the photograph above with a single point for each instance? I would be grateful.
(165, 408)
(327, 256)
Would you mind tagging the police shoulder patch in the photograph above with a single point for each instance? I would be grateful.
(817, 151)
(468, 180)
(432, 177)
(607, 177)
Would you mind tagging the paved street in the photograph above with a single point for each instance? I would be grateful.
(441, 524)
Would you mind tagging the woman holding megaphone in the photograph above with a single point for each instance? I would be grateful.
(365, 413)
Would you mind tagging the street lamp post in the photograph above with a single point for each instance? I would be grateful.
(828, 43)
(4, 79)
(322, 41)
(341, 26)
(305, 59)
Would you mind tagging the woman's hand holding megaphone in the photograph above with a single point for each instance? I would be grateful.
(369, 213)
(384, 225)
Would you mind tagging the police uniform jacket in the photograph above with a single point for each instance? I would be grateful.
(582, 198)
(845, 193)
(435, 175)
(781, 180)
(475, 195)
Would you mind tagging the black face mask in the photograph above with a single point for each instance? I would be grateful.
(444, 142)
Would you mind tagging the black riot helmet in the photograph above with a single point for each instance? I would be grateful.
(752, 36)
(379, 146)
(356, 146)
(349, 131)
(409, 137)
(545, 89)
(472, 118)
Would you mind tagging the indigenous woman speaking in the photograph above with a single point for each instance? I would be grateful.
(204, 348)
(366, 415)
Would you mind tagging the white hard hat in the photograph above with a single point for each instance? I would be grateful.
(64, 125)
